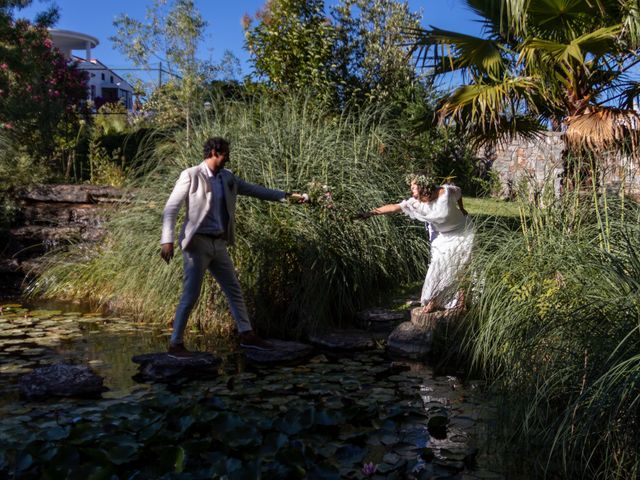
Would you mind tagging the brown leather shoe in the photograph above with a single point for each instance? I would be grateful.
(251, 340)
(179, 352)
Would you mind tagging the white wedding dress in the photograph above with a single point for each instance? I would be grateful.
(451, 236)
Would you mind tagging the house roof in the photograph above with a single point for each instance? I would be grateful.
(68, 40)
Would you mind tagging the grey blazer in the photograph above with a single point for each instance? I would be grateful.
(194, 189)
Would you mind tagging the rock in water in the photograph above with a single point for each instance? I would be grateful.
(62, 380)
(347, 340)
(283, 352)
(160, 367)
(418, 337)
(380, 321)
(410, 340)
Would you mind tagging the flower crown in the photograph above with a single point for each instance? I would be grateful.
(421, 180)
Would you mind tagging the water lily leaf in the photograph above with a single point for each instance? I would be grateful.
(273, 441)
(327, 449)
(57, 433)
(387, 468)
(329, 417)
(350, 454)
(101, 473)
(24, 462)
(44, 313)
(323, 471)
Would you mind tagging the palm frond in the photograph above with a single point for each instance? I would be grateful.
(486, 103)
(597, 42)
(505, 130)
(603, 128)
(447, 51)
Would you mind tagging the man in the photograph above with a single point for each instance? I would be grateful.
(209, 192)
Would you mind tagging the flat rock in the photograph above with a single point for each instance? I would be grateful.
(380, 320)
(410, 340)
(343, 340)
(72, 193)
(284, 352)
(61, 380)
(160, 367)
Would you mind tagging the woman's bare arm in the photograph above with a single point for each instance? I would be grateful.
(387, 209)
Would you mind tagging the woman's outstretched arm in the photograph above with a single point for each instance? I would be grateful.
(383, 210)
(387, 209)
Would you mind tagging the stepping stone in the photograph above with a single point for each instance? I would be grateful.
(435, 320)
(410, 340)
(379, 320)
(62, 380)
(343, 340)
(160, 367)
(284, 352)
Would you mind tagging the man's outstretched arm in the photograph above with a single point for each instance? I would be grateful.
(264, 193)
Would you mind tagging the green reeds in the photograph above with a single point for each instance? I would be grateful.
(555, 324)
(301, 266)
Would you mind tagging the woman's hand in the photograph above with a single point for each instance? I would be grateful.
(363, 215)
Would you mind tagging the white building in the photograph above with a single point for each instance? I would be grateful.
(104, 85)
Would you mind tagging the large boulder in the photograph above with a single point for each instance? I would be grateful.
(343, 340)
(283, 352)
(410, 340)
(160, 367)
(62, 380)
(424, 333)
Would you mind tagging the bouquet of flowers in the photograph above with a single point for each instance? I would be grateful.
(319, 194)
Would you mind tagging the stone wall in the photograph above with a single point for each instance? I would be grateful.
(533, 165)
(51, 217)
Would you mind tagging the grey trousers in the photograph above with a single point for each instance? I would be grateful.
(206, 253)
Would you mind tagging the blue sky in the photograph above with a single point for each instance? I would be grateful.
(224, 29)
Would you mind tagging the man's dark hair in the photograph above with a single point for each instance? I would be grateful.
(217, 144)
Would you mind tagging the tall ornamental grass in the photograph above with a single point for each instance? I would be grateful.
(301, 266)
(555, 323)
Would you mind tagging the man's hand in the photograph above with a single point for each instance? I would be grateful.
(298, 198)
(166, 252)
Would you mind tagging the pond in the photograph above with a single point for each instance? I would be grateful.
(360, 415)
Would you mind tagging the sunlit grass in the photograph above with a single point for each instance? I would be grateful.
(491, 207)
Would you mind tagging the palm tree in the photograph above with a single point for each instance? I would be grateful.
(562, 63)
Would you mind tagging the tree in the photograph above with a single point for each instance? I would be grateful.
(542, 62)
(354, 55)
(291, 45)
(371, 60)
(41, 92)
(171, 33)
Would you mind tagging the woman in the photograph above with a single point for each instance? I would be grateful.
(450, 233)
